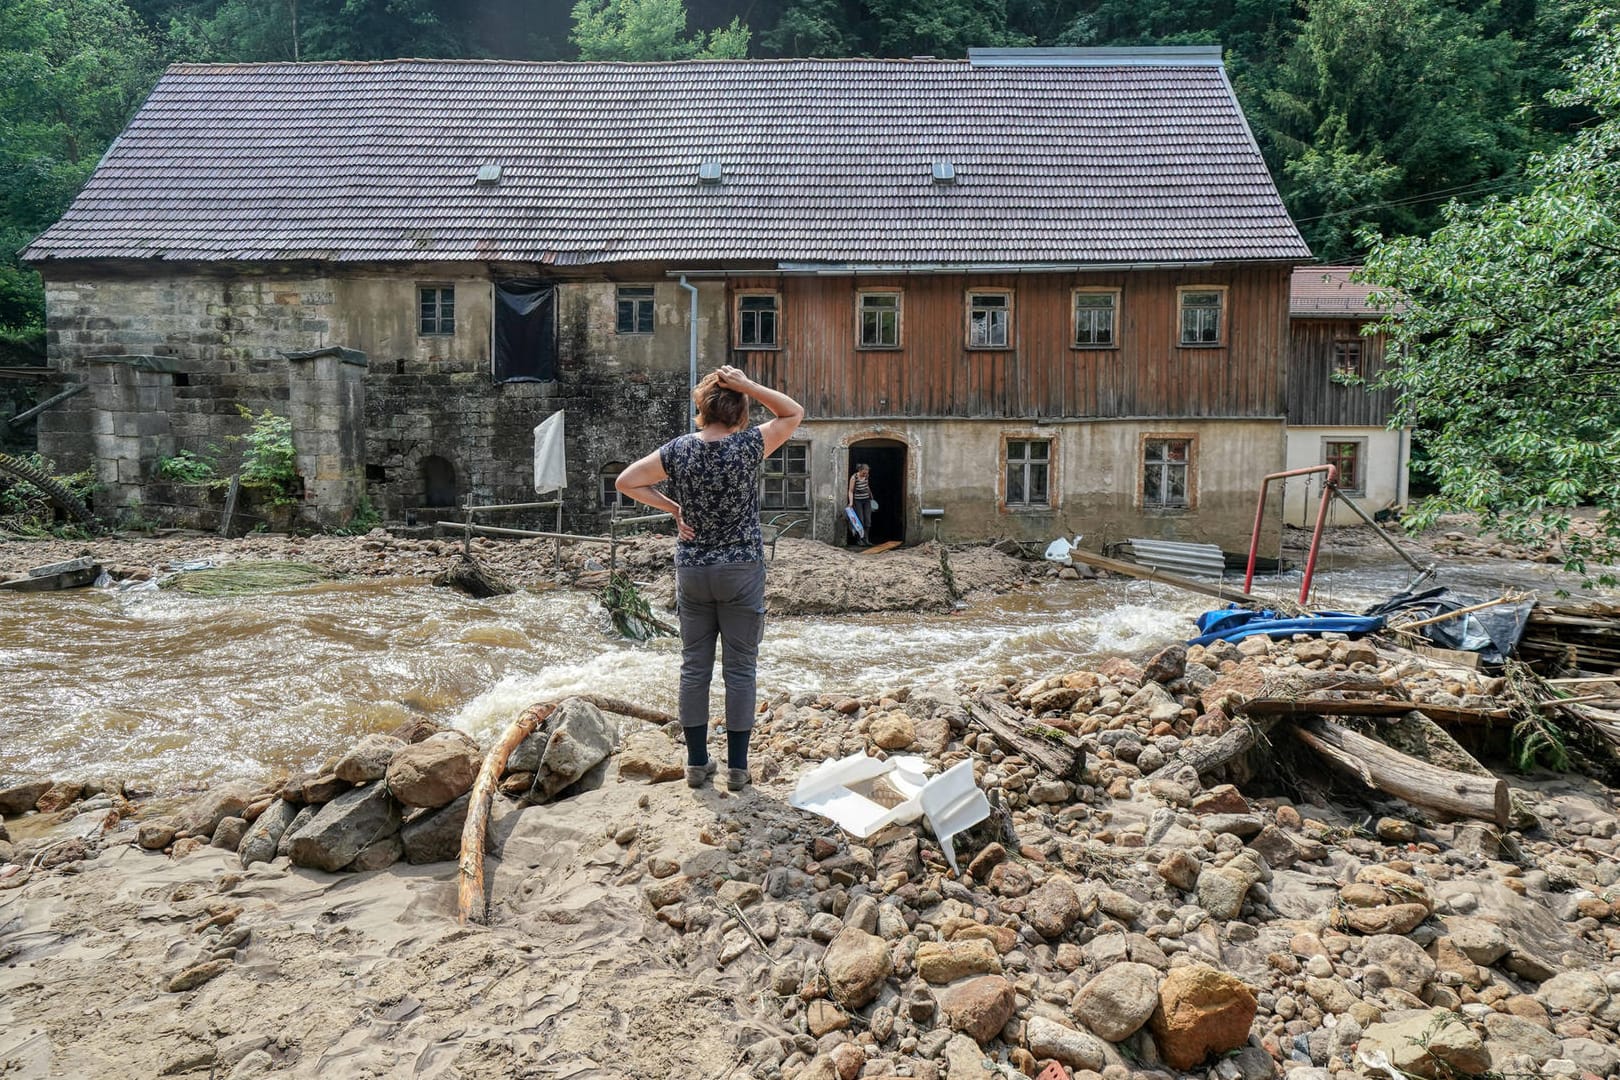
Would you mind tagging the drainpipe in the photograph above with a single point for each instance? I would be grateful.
(692, 347)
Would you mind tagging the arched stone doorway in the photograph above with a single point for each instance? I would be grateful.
(438, 482)
(887, 460)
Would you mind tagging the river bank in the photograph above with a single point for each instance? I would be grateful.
(1137, 919)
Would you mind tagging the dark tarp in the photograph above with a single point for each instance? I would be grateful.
(1493, 633)
(525, 331)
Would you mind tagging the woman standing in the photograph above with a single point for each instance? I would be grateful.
(713, 493)
(860, 499)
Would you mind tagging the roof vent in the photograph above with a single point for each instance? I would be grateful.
(710, 172)
(489, 174)
(944, 172)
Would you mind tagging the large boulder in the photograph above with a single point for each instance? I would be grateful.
(856, 964)
(60, 796)
(21, 798)
(368, 759)
(947, 961)
(979, 1007)
(305, 815)
(1437, 1043)
(435, 836)
(649, 756)
(1118, 1001)
(1049, 1039)
(1053, 908)
(581, 737)
(264, 835)
(204, 813)
(1409, 968)
(345, 827)
(435, 771)
(1201, 1011)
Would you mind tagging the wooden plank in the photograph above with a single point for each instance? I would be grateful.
(1062, 758)
(1148, 573)
(878, 549)
(1386, 769)
(1365, 707)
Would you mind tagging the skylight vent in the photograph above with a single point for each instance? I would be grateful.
(710, 172)
(489, 175)
(944, 172)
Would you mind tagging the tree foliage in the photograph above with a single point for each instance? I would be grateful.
(650, 30)
(1506, 333)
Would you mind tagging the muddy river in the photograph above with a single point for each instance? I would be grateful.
(170, 689)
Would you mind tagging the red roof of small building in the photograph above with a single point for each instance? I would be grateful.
(1328, 291)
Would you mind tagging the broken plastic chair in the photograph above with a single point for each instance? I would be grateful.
(859, 794)
(1058, 551)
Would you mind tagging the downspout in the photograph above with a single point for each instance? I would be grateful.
(692, 347)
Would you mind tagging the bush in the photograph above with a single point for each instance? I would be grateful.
(269, 460)
(188, 468)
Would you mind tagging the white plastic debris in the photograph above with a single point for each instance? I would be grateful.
(1058, 550)
(858, 794)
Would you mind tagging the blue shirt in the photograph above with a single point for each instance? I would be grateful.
(717, 485)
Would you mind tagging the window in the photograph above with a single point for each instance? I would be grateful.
(1094, 319)
(1164, 473)
(880, 320)
(1029, 464)
(756, 322)
(1346, 455)
(784, 478)
(988, 315)
(612, 499)
(635, 309)
(1346, 359)
(436, 309)
(1201, 316)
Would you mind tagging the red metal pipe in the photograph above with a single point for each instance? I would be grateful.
(1331, 482)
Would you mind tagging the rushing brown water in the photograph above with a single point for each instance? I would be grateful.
(170, 689)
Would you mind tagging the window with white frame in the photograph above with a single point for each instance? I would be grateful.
(989, 319)
(1094, 319)
(756, 321)
(612, 498)
(1166, 483)
(635, 309)
(436, 309)
(1201, 316)
(880, 320)
(1029, 473)
(784, 478)
(1348, 456)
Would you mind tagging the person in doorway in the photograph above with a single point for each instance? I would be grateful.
(712, 486)
(859, 499)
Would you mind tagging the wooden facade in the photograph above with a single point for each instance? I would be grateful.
(1315, 397)
(1040, 373)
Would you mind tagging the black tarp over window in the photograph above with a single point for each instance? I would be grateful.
(525, 331)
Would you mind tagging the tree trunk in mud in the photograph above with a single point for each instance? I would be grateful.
(471, 901)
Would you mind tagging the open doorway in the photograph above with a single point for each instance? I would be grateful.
(887, 460)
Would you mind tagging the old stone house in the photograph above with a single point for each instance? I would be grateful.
(1040, 291)
(1334, 416)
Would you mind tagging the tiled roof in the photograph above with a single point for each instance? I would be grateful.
(1328, 290)
(825, 161)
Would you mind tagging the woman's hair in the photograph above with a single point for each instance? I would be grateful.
(718, 405)
(863, 468)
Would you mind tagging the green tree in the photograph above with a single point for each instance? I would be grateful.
(650, 30)
(73, 72)
(940, 27)
(1507, 336)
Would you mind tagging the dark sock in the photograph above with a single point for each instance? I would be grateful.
(697, 744)
(737, 749)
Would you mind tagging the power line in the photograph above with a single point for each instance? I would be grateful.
(1479, 188)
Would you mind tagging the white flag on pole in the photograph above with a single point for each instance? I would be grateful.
(550, 461)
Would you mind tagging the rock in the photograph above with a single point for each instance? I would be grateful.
(305, 815)
(1222, 890)
(1168, 665)
(1520, 1036)
(1580, 992)
(986, 860)
(1057, 699)
(228, 834)
(650, 756)
(59, 796)
(893, 731)
(204, 813)
(1388, 919)
(1050, 1039)
(1408, 966)
(379, 854)
(194, 976)
(1221, 799)
(1053, 908)
(1011, 880)
(21, 798)
(1482, 942)
(823, 1016)
(417, 729)
(978, 1007)
(662, 893)
(1395, 830)
(435, 836)
(933, 736)
(156, 834)
(434, 772)
(1047, 792)
(344, 827)
(1180, 869)
(964, 1060)
(947, 961)
(1201, 1011)
(1437, 1043)
(317, 790)
(1280, 850)
(264, 835)
(1118, 1001)
(1599, 1059)
(581, 737)
(857, 963)
(368, 759)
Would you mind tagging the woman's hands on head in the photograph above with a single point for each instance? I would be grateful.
(734, 378)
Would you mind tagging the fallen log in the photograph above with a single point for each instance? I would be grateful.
(1055, 752)
(470, 900)
(1210, 756)
(1394, 773)
(1452, 714)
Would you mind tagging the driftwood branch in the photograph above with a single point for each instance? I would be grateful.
(1210, 756)
(1417, 782)
(1452, 714)
(1055, 752)
(471, 903)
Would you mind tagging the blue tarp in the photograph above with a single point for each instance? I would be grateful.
(1235, 624)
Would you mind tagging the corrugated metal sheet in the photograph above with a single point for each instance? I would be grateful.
(824, 161)
(1189, 560)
